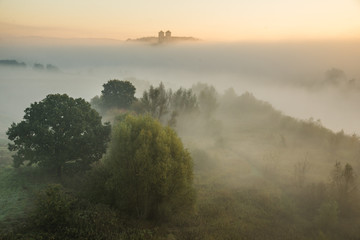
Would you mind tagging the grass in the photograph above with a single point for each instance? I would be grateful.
(14, 195)
(18, 188)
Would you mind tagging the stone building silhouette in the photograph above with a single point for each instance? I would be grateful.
(161, 37)
(168, 35)
(164, 37)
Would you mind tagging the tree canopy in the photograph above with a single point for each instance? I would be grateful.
(151, 174)
(166, 105)
(118, 94)
(157, 101)
(56, 131)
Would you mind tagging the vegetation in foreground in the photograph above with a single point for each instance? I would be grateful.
(257, 175)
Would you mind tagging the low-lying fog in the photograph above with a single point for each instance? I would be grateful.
(319, 80)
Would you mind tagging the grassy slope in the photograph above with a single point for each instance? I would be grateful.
(18, 188)
(244, 171)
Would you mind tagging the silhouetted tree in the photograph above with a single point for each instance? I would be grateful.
(156, 101)
(38, 66)
(335, 76)
(117, 94)
(52, 68)
(343, 179)
(207, 98)
(56, 131)
(182, 101)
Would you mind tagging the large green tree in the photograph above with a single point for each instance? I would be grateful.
(151, 174)
(56, 131)
(117, 94)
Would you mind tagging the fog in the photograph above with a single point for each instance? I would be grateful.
(289, 75)
(255, 118)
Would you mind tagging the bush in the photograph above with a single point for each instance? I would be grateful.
(151, 174)
(60, 215)
(54, 208)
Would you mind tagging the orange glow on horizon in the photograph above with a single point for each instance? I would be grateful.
(207, 20)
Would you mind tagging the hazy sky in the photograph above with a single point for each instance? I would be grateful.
(229, 20)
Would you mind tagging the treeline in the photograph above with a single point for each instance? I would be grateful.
(36, 66)
(161, 103)
(12, 63)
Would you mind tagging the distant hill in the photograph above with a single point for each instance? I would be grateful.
(161, 39)
(155, 40)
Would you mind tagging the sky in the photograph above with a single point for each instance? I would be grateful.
(219, 20)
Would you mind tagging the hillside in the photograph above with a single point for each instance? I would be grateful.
(258, 175)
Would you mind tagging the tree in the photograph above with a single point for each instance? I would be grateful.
(343, 180)
(166, 105)
(56, 131)
(151, 174)
(335, 76)
(207, 98)
(344, 189)
(117, 94)
(156, 101)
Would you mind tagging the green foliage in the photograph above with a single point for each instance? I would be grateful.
(327, 216)
(138, 234)
(54, 208)
(96, 103)
(207, 98)
(343, 180)
(183, 101)
(117, 94)
(5, 155)
(59, 215)
(17, 188)
(166, 105)
(240, 214)
(95, 182)
(13, 197)
(235, 199)
(151, 172)
(156, 101)
(344, 189)
(56, 131)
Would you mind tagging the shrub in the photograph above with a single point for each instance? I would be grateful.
(151, 174)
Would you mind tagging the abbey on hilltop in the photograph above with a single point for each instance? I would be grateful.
(163, 37)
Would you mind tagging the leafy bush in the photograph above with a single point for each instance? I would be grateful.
(59, 215)
(54, 208)
(151, 172)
